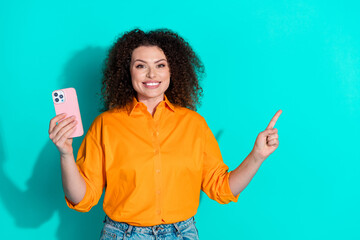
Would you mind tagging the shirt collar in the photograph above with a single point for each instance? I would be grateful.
(135, 103)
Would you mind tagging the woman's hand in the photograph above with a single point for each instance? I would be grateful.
(267, 141)
(59, 133)
(73, 183)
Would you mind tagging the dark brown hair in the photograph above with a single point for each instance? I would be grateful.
(186, 69)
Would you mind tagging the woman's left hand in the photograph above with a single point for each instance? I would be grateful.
(267, 141)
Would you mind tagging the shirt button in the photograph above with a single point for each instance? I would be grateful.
(156, 151)
(158, 192)
(157, 170)
(158, 211)
(156, 134)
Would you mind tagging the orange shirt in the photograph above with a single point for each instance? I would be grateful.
(151, 167)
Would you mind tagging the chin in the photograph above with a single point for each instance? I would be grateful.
(150, 96)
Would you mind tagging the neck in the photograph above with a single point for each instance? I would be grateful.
(151, 103)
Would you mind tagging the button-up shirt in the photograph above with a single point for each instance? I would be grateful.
(152, 167)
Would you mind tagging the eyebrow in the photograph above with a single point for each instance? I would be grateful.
(154, 62)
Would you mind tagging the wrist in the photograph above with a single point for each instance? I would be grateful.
(256, 158)
(66, 156)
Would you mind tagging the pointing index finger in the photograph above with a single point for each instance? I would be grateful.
(274, 119)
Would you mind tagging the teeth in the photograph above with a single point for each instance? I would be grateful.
(152, 84)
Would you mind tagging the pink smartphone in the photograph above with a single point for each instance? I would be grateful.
(65, 101)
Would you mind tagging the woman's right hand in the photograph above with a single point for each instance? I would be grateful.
(59, 133)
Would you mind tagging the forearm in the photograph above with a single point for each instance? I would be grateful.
(73, 183)
(241, 176)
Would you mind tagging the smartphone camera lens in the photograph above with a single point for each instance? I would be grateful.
(56, 100)
(61, 96)
(56, 94)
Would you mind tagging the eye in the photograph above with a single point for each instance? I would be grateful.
(139, 66)
(161, 65)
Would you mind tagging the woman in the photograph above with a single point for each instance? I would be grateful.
(150, 150)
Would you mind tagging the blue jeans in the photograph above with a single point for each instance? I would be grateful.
(185, 230)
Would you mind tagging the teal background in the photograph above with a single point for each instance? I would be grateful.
(260, 56)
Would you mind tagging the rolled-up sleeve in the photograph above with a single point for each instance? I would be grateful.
(215, 176)
(90, 163)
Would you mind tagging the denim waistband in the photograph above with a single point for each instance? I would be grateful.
(162, 228)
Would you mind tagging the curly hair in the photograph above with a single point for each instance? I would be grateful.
(185, 67)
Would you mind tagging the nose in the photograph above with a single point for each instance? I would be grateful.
(151, 72)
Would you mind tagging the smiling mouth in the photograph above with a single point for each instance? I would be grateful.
(151, 84)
